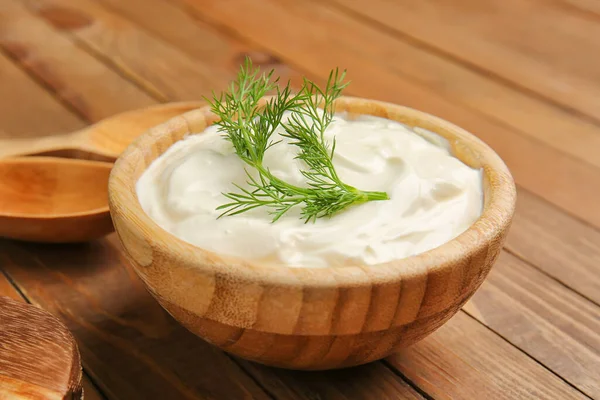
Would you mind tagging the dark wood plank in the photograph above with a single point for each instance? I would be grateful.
(19, 90)
(370, 381)
(538, 45)
(6, 289)
(80, 80)
(556, 243)
(89, 390)
(131, 346)
(548, 172)
(121, 328)
(543, 318)
(465, 360)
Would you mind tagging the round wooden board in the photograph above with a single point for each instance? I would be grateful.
(39, 358)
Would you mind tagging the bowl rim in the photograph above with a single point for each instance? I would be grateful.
(491, 226)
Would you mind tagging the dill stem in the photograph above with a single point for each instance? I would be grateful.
(264, 171)
(374, 196)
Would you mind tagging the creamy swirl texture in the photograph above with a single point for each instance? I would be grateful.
(433, 197)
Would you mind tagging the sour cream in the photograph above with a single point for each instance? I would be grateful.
(433, 197)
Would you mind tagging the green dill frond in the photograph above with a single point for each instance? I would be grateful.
(249, 126)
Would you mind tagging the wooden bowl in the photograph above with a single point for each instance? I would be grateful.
(305, 318)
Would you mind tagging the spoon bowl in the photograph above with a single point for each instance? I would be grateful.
(104, 140)
(55, 200)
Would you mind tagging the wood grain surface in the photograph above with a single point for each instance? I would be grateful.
(16, 122)
(8, 290)
(85, 83)
(39, 358)
(552, 54)
(119, 322)
(520, 74)
(41, 199)
(544, 319)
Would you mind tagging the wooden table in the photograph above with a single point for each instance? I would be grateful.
(524, 75)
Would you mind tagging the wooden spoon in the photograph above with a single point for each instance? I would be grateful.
(39, 358)
(104, 140)
(58, 200)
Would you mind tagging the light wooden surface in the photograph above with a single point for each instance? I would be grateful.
(520, 74)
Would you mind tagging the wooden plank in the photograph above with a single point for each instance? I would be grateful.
(193, 36)
(6, 289)
(15, 119)
(85, 83)
(134, 349)
(544, 319)
(370, 381)
(589, 6)
(561, 246)
(561, 179)
(167, 72)
(225, 52)
(89, 390)
(525, 114)
(538, 45)
(465, 360)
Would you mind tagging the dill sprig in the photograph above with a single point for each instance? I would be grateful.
(249, 127)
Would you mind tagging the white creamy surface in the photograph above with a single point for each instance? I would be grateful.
(433, 197)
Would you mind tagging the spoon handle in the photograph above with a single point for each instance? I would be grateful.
(39, 145)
